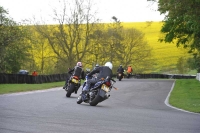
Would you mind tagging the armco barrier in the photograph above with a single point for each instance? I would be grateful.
(163, 76)
(29, 79)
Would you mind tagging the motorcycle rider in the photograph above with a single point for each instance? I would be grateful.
(76, 71)
(103, 72)
(129, 71)
(96, 66)
(96, 74)
(120, 70)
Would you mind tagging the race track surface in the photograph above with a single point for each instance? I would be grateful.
(138, 106)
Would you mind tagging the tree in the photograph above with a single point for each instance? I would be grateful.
(122, 46)
(13, 51)
(97, 38)
(43, 59)
(70, 40)
(182, 65)
(136, 50)
(181, 23)
(115, 37)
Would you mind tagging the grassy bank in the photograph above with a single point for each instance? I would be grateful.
(186, 95)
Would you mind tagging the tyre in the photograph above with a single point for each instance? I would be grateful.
(70, 90)
(96, 100)
(79, 100)
(120, 78)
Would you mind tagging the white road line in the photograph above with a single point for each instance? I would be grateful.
(167, 102)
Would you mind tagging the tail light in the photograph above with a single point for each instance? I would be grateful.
(75, 77)
(108, 83)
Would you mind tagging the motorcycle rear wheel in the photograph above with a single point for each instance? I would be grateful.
(70, 90)
(96, 100)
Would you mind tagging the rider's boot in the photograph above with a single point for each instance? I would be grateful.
(75, 91)
(65, 86)
(84, 96)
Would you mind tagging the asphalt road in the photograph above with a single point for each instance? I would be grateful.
(138, 106)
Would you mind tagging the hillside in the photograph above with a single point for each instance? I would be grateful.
(165, 54)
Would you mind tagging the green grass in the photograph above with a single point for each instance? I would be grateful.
(11, 88)
(192, 72)
(186, 95)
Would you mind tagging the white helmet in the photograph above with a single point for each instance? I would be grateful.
(109, 64)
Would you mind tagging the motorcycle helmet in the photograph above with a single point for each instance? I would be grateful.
(109, 64)
(79, 64)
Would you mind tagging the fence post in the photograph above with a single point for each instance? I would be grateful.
(198, 76)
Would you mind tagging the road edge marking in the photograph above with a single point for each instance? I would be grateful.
(167, 102)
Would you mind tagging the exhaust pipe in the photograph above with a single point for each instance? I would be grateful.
(107, 96)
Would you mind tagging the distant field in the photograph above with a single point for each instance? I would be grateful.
(165, 54)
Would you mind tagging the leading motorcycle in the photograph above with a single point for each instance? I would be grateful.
(73, 85)
(98, 92)
(129, 74)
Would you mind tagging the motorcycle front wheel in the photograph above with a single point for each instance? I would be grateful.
(79, 100)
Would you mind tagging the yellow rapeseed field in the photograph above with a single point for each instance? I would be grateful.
(165, 54)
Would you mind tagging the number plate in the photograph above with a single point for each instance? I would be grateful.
(105, 88)
(75, 80)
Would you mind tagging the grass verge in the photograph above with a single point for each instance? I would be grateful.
(186, 95)
(11, 88)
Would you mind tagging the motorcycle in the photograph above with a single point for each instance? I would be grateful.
(120, 76)
(129, 74)
(73, 86)
(97, 92)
